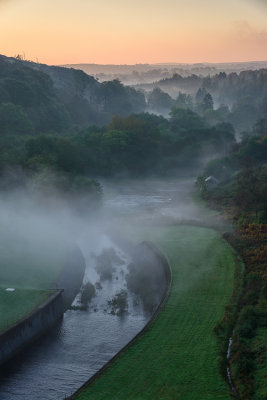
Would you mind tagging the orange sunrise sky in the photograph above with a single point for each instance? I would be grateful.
(138, 31)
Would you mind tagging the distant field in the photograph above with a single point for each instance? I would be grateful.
(176, 359)
(15, 305)
(31, 264)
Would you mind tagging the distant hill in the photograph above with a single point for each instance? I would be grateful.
(225, 88)
(50, 98)
(37, 98)
(149, 73)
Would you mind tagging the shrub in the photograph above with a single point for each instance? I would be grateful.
(88, 292)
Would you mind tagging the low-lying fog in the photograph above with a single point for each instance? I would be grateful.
(91, 331)
(152, 198)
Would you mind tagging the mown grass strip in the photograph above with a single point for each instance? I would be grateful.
(176, 358)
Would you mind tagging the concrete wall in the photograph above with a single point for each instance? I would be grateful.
(19, 335)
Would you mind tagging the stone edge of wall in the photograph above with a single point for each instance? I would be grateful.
(168, 274)
(44, 316)
(23, 332)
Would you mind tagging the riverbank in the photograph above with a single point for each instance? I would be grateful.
(151, 251)
(29, 267)
(177, 356)
(14, 339)
(82, 342)
(241, 197)
(247, 361)
(32, 312)
(14, 303)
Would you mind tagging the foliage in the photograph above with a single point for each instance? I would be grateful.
(55, 99)
(242, 195)
(251, 193)
(249, 349)
(55, 104)
(13, 120)
(87, 293)
(184, 100)
(106, 263)
(249, 154)
(244, 93)
(159, 101)
(122, 100)
(183, 120)
(119, 303)
(78, 192)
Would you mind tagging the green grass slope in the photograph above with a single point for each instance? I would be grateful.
(31, 264)
(177, 357)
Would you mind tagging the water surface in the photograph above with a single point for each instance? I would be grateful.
(58, 364)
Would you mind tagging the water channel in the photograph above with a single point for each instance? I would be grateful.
(59, 363)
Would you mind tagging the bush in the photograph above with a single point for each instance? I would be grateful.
(88, 292)
(119, 303)
(247, 323)
(105, 263)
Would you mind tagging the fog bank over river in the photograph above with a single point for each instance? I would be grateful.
(152, 198)
(60, 363)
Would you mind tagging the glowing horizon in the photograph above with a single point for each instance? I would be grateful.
(152, 31)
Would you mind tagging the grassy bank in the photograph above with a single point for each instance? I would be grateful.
(249, 350)
(31, 265)
(241, 197)
(177, 358)
(30, 262)
(21, 302)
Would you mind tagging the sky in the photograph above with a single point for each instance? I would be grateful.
(134, 31)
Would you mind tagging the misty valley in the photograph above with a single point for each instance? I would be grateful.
(122, 286)
(133, 228)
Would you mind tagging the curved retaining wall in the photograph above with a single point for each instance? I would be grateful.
(71, 276)
(168, 275)
(19, 335)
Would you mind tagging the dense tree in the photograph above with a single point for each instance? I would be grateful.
(184, 100)
(244, 113)
(159, 101)
(207, 103)
(55, 99)
(184, 120)
(260, 128)
(118, 99)
(13, 120)
(201, 93)
(251, 191)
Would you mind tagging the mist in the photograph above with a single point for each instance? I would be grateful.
(109, 175)
(42, 225)
(39, 226)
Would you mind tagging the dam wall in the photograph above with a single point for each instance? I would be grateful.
(16, 337)
(26, 330)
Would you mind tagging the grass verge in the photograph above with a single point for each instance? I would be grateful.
(177, 357)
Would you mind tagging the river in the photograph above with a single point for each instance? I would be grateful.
(59, 363)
